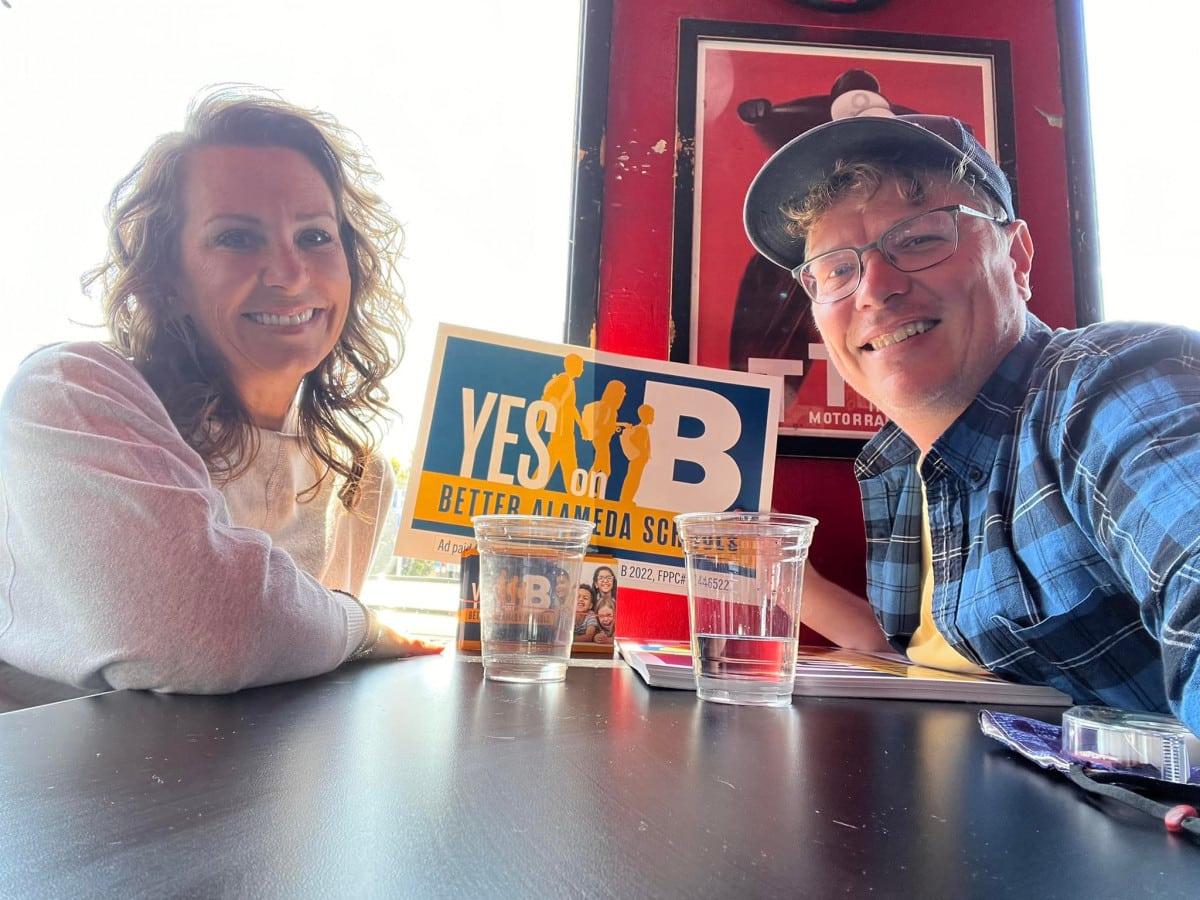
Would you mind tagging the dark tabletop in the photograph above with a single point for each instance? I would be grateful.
(419, 778)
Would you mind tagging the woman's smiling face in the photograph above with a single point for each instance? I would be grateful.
(264, 276)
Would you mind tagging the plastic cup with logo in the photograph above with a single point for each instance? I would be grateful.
(525, 630)
(745, 574)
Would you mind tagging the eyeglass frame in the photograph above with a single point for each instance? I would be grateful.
(954, 208)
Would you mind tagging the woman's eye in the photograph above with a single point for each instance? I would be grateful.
(236, 239)
(315, 237)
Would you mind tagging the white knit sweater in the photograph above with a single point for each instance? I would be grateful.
(122, 566)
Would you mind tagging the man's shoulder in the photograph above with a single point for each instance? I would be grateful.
(1111, 372)
(1107, 349)
(1112, 338)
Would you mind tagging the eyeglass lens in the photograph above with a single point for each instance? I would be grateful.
(912, 245)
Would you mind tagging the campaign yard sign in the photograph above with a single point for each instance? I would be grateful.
(519, 427)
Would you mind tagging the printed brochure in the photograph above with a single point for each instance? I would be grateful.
(834, 672)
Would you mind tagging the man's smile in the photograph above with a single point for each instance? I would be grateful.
(903, 333)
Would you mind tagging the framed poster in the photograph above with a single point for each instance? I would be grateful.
(744, 91)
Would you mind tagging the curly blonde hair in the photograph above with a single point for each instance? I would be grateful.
(864, 178)
(343, 400)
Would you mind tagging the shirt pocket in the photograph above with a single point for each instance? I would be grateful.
(1097, 651)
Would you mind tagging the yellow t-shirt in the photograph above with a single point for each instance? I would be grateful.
(928, 647)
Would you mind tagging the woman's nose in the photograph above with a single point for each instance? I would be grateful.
(285, 269)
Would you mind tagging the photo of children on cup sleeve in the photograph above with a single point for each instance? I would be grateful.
(594, 600)
(596, 608)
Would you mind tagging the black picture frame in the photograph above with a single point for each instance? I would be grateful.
(587, 189)
(1081, 170)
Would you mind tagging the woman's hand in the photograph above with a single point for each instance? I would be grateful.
(394, 645)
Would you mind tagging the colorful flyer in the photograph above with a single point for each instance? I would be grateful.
(519, 427)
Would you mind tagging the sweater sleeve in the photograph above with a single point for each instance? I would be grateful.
(119, 564)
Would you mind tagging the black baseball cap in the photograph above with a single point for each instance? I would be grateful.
(935, 142)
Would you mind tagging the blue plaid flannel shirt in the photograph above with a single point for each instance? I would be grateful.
(1064, 508)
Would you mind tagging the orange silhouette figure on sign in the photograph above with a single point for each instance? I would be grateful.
(600, 424)
(635, 443)
(559, 392)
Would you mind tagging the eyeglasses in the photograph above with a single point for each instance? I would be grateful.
(910, 246)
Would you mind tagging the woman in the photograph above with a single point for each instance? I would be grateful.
(191, 506)
(604, 583)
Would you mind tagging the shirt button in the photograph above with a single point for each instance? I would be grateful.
(976, 473)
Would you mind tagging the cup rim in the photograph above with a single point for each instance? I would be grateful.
(573, 526)
(745, 517)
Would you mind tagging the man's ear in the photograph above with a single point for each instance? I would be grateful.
(1020, 250)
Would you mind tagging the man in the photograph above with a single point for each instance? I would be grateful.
(1033, 505)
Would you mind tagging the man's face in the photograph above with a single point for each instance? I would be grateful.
(966, 313)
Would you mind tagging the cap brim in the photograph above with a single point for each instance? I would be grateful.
(806, 160)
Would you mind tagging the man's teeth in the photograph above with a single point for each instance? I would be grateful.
(269, 319)
(900, 334)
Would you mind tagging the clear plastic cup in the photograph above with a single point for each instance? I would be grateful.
(525, 630)
(745, 575)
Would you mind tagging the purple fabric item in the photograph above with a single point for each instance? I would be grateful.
(1037, 741)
